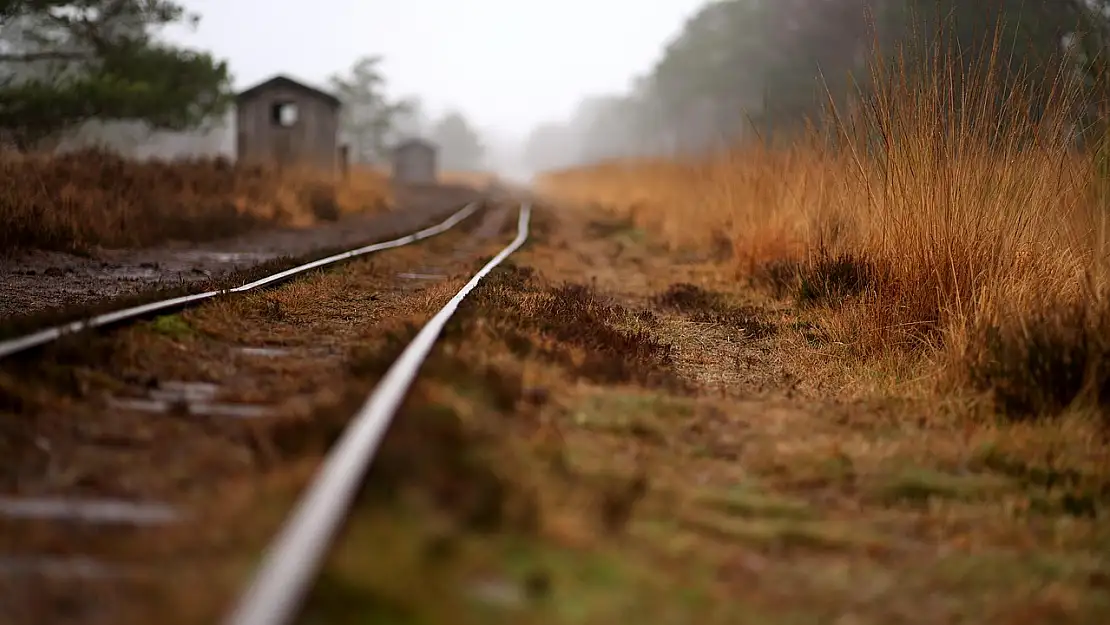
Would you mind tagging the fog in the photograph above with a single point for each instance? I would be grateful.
(507, 66)
(519, 87)
(500, 85)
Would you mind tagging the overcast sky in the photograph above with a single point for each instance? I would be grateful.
(507, 64)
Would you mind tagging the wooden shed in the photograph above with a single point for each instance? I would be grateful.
(287, 122)
(414, 161)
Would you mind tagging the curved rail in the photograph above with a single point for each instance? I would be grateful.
(42, 337)
(294, 557)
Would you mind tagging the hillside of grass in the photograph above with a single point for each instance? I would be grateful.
(86, 199)
(961, 249)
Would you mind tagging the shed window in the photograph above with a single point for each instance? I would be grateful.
(284, 114)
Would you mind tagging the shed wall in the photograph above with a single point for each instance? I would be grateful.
(312, 140)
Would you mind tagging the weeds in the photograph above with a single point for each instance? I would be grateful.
(571, 325)
(432, 448)
(375, 359)
(1053, 490)
(779, 276)
(688, 298)
(1046, 366)
(828, 280)
(970, 242)
(706, 307)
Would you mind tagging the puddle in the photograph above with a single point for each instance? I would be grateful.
(167, 395)
(274, 352)
(100, 511)
(171, 397)
(127, 273)
(64, 568)
(196, 397)
(236, 411)
(190, 389)
(198, 408)
(185, 391)
(499, 593)
(139, 404)
(227, 257)
(265, 351)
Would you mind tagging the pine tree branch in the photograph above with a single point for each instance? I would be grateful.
(46, 55)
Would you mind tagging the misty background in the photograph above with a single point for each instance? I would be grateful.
(505, 86)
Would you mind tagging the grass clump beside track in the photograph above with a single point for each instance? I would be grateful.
(32, 322)
(629, 448)
(90, 198)
(566, 457)
(969, 248)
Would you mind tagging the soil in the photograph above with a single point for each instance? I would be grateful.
(206, 425)
(35, 281)
(604, 433)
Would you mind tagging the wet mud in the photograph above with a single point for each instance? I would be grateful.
(37, 281)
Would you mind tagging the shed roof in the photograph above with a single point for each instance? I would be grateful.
(286, 81)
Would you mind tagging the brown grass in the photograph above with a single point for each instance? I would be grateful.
(970, 244)
(518, 484)
(589, 442)
(250, 469)
(85, 199)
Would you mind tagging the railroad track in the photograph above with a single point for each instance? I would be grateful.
(280, 585)
(48, 335)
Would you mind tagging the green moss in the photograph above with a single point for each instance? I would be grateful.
(919, 485)
(173, 326)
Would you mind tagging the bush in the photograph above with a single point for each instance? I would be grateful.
(80, 200)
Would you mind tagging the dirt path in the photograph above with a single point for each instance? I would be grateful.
(607, 433)
(32, 282)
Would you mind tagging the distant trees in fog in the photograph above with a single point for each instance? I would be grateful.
(64, 64)
(738, 68)
(460, 146)
(369, 117)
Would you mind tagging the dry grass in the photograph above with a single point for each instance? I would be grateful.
(566, 457)
(605, 450)
(239, 475)
(969, 243)
(77, 201)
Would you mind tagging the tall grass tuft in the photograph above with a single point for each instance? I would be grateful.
(80, 200)
(949, 215)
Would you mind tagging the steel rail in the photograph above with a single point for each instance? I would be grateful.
(294, 558)
(42, 337)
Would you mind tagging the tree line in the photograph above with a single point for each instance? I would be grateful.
(743, 68)
(372, 121)
(68, 66)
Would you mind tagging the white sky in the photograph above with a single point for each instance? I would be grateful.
(506, 64)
